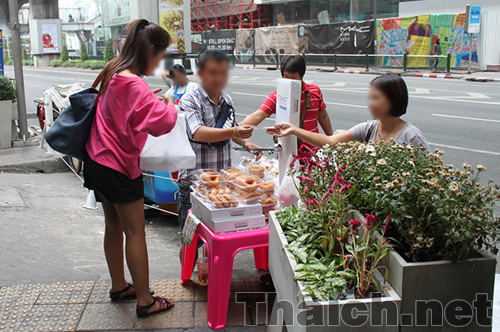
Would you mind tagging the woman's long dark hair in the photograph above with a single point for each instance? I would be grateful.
(140, 36)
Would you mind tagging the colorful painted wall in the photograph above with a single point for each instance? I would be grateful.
(416, 35)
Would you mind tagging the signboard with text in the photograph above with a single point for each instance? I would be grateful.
(473, 19)
(1, 54)
(50, 38)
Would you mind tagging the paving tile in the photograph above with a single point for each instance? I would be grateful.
(52, 317)
(108, 316)
(66, 292)
(180, 316)
(27, 292)
(237, 314)
(12, 313)
(260, 311)
(238, 290)
(200, 293)
(173, 290)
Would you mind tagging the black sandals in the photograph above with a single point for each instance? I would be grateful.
(118, 296)
(163, 304)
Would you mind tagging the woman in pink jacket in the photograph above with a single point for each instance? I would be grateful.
(127, 111)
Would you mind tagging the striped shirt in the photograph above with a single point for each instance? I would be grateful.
(202, 111)
(311, 119)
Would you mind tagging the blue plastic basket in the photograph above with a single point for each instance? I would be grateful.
(160, 191)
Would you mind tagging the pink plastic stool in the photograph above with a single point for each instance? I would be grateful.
(221, 249)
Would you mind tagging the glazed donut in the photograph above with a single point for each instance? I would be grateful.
(231, 200)
(269, 201)
(233, 175)
(223, 202)
(267, 186)
(256, 170)
(212, 179)
(251, 195)
(247, 183)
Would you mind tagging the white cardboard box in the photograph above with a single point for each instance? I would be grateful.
(235, 224)
(288, 95)
(207, 213)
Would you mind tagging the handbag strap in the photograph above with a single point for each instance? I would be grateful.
(303, 113)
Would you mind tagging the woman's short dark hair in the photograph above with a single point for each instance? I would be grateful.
(395, 89)
(177, 69)
(216, 56)
(294, 64)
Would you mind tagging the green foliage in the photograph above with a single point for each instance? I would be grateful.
(26, 55)
(28, 63)
(93, 64)
(84, 56)
(6, 56)
(7, 91)
(64, 54)
(10, 62)
(108, 52)
(55, 63)
(438, 212)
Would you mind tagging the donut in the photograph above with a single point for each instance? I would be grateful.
(251, 195)
(231, 200)
(247, 183)
(256, 170)
(267, 186)
(222, 200)
(211, 179)
(233, 175)
(269, 201)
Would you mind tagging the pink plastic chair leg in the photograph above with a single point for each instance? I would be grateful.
(261, 256)
(188, 256)
(220, 267)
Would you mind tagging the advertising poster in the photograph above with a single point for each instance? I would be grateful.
(272, 40)
(417, 35)
(220, 40)
(172, 20)
(244, 45)
(1, 54)
(50, 38)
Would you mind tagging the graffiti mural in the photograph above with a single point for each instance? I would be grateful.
(416, 36)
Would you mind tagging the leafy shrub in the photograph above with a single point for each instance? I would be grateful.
(108, 52)
(7, 91)
(28, 63)
(5, 55)
(93, 64)
(84, 56)
(64, 54)
(10, 62)
(55, 63)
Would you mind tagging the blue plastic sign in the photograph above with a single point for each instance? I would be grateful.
(473, 19)
(1, 54)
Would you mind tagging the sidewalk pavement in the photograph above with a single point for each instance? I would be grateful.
(478, 76)
(85, 306)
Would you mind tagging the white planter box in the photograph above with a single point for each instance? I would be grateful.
(302, 313)
(5, 124)
(442, 283)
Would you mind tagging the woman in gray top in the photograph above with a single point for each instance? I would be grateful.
(388, 101)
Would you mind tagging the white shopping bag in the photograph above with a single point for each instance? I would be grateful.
(288, 193)
(170, 152)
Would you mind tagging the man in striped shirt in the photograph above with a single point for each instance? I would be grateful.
(294, 67)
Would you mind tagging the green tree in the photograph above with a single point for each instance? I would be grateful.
(108, 52)
(84, 56)
(25, 55)
(5, 55)
(64, 54)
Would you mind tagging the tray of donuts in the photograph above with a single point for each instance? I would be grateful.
(215, 191)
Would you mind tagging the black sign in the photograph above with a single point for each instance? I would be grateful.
(221, 40)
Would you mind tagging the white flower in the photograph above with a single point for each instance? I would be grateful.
(381, 162)
(481, 168)
(361, 147)
(371, 150)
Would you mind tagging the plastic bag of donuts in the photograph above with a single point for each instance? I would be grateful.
(267, 187)
(269, 203)
(246, 183)
(249, 198)
(221, 197)
(209, 178)
(231, 173)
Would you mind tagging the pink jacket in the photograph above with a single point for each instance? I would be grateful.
(126, 113)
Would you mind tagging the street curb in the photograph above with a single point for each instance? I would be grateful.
(53, 164)
(422, 75)
(482, 79)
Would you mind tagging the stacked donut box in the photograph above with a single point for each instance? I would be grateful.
(235, 199)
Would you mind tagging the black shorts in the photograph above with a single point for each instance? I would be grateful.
(111, 186)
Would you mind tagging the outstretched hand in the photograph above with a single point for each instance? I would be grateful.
(282, 129)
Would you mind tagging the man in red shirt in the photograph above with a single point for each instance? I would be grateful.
(294, 67)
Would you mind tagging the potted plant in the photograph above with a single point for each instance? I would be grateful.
(325, 259)
(444, 227)
(7, 100)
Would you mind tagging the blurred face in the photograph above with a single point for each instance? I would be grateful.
(291, 76)
(378, 104)
(153, 61)
(180, 78)
(214, 76)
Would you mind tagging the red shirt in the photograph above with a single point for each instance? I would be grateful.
(311, 120)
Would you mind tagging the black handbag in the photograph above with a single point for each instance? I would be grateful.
(70, 132)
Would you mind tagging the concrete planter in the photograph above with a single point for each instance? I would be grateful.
(5, 124)
(443, 288)
(301, 313)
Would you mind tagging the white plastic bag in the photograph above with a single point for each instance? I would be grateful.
(288, 193)
(170, 152)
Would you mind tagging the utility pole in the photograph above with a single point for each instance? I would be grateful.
(15, 29)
